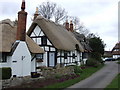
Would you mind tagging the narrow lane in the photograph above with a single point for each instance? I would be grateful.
(101, 78)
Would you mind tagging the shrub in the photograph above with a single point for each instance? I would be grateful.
(77, 70)
(118, 59)
(92, 62)
(6, 72)
(57, 76)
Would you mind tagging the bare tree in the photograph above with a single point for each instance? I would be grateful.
(76, 22)
(84, 31)
(47, 9)
(78, 26)
(50, 10)
(59, 14)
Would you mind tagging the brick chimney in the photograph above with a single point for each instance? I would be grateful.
(36, 13)
(71, 26)
(21, 27)
(67, 25)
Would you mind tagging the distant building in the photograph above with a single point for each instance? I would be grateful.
(107, 54)
(116, 50)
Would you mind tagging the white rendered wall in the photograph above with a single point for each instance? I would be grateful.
(6, 64)
(116, 56)
(78, 58)
(21, 60)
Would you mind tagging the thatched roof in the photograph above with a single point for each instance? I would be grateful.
(8, 38)
(57, 34)
(82, 39)
(116, 49)
(117, 46)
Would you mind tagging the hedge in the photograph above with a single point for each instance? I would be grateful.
(92, 62)
(6, 73)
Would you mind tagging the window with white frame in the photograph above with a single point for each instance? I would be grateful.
(44, 40)
(39, 56)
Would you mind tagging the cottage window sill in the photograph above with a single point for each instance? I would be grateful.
(39, 60)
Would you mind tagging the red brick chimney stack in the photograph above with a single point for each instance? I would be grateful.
(71, 26)
(21, 27)
(36, 13)
(67, 25)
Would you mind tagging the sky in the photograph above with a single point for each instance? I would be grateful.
(98, 16)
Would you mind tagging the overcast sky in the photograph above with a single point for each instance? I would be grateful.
(98, 16)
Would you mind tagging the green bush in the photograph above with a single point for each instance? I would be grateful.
(77, 70)
(92, 62)
(6, 73)
(57, 76)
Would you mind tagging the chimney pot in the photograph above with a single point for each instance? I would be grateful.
(67, 25)
(71, 26)
(36, 13)
(23, 5)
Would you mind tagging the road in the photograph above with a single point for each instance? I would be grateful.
(100, 79)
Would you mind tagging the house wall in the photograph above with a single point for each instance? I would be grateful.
(21, 60)
(36, 36)
(33, 64)
(6, 64)
(79, 58)
(84, 57)
(70, 60)
(116, 56)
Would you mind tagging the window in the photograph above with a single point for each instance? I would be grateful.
(39, 57)
(3, 57)
(65, 55)
(44, 40)
(73, 56)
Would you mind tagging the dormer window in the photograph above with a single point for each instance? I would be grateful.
(44, 40)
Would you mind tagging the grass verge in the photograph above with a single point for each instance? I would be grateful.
(86, 73)
(118, 62)
(114, 84)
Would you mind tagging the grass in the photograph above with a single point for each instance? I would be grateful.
(118, 62)
(86, 73)
(114, 83)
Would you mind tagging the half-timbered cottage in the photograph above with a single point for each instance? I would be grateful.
(116, 50)
(19, 52)
(85, 44)
(60, 45)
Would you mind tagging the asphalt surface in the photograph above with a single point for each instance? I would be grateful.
(101, 78)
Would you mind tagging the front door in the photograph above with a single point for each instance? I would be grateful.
(51, 62)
